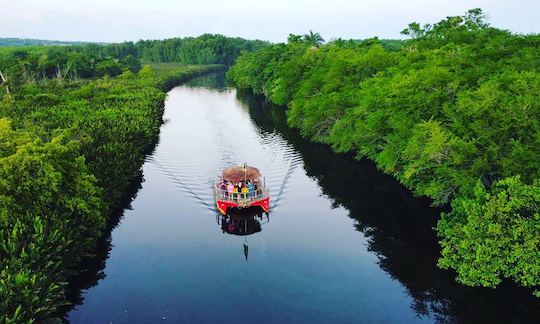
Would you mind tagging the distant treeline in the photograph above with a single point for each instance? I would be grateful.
(392, 44)
(10, 41)
(453, 113)
(205, 49)
(21, 65)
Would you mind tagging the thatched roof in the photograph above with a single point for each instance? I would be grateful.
(237, 173)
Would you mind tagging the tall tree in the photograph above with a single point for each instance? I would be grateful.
(313, 39)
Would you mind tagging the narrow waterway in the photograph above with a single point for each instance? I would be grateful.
(342, 243)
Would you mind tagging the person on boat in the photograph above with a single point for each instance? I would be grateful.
(223, 187)
(244, 191)
(230, 188)
(251, 189)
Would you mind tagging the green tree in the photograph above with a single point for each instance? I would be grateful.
(494, 235)
(108, 67)
(132, 63)
(313, 39)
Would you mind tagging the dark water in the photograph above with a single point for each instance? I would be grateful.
(343, 242)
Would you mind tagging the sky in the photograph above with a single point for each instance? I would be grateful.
(273, 20)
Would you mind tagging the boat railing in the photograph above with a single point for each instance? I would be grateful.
(242, 199)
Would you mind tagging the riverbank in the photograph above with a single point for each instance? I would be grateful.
(70, 149)
(458, 128)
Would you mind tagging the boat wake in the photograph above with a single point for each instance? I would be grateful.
(202, 139)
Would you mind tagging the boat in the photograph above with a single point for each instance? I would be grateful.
(258, 197)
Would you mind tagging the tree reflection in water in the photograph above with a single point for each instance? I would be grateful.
(400, 230)
(90, 271)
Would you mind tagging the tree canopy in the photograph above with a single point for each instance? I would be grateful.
(453, 113)
(313, 39)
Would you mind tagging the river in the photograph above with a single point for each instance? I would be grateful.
(342, 243)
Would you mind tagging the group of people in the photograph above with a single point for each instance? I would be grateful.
(244, 188)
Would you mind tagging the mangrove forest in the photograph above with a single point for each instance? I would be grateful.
(401, 177)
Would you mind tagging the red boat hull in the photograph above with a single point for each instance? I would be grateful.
(223, 206)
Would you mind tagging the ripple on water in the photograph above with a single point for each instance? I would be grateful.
(200, 141)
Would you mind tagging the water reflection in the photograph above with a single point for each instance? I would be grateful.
(400, 229)
(243, 222)
(214, 81)
(91, 270)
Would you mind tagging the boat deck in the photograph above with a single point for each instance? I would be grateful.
(225, 200)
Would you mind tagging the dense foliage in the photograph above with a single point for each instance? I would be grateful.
(23, 65)
(205, 49)
(498, 226)
(28, 64)
(69, 149)
(454, 114)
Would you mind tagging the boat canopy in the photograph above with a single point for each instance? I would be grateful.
(238, 173)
